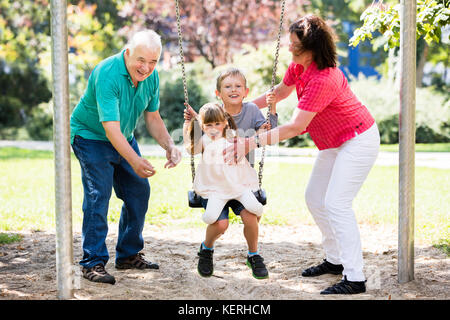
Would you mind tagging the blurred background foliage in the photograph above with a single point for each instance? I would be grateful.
(218, 34)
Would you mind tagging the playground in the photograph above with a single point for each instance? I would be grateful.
(28, 268)
(401, 212)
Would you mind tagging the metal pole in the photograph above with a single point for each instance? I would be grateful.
(407, 134)
(61, 140)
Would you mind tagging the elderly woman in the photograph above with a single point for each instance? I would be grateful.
(347, 138)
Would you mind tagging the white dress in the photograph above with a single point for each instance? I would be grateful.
(220, 182)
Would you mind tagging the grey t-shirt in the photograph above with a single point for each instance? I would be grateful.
(249, 120)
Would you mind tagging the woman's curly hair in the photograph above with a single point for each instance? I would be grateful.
(316, 36)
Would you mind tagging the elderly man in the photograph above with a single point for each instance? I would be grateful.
(119, 90)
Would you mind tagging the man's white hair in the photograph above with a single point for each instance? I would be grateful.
(147, 38)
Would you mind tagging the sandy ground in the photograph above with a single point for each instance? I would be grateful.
(27, 269)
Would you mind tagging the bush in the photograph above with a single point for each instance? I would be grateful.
(257, 65)
(172, 106)
(21, 91)
(6, 238)
(382, 99)
(40, 124)
(388, 128)
(10, 116)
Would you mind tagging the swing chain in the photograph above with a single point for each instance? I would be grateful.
(183, 71)
(274, 75)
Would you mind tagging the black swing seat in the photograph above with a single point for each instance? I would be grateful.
(195, 201)
(261, 196)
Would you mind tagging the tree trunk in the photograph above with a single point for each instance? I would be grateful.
(422, 58)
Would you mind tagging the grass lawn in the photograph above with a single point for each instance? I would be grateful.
(27, 196)
(419, 147)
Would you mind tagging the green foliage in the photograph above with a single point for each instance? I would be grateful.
(257, 65)
(388, 128)
(6, 238)
(25, 57)
(40, 125)
(172, 106)
(24, 31)
(382, 99)
(444, 246)
(21, 90)
(432, 16)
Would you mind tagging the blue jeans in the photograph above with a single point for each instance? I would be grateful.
(235, 205)
(102, 169)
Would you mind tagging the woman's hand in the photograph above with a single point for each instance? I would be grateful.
(265, 127)
(271, 99)
(236, 151)
(189, 113)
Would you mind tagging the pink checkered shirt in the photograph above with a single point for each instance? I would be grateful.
(339, 113)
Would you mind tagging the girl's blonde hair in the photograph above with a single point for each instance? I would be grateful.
(209, 113)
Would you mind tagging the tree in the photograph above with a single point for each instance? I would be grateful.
(212, 29)
(172, 106)
(25, 54)
(432, 17)
(338, 11)
(21, 89)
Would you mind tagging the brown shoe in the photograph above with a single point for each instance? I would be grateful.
(135, 262)
(98, 274)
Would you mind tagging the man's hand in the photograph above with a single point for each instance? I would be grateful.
(143, 168)
(173, 156)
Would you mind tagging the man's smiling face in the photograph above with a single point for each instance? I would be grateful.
(140, 62)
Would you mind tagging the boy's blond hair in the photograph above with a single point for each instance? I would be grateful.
(231, 72)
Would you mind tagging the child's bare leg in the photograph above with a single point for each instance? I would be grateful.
(251, 229)
(214, 231)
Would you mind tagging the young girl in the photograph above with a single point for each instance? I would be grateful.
(231, 89)
(214, 180)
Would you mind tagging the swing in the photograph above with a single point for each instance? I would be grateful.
(194, 200)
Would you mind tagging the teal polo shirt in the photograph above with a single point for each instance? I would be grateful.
(111, 96)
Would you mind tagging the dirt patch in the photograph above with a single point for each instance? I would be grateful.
(27, 269)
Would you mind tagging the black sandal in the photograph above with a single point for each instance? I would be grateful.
(346, 287)
(323, 268)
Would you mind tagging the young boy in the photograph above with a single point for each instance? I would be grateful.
(231, 88)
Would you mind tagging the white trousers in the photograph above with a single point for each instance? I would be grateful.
(336, 178)
(215, 206)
